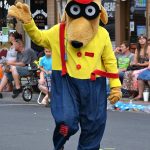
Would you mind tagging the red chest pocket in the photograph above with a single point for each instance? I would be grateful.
(89, 54)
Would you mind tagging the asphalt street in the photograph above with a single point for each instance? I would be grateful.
(29, 126)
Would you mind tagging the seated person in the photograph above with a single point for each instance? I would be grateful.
(140, 62)
(11, 55)
(45, 66)
(124, 58)
(19, 67)
(143, 79)
(3, 53)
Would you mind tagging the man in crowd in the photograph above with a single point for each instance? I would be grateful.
(18, 68)
(124, 58)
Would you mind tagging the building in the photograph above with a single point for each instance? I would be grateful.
(44, 13)
(127, 19)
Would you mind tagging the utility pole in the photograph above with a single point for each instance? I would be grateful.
(58, 2)
(3, 14)
(117, 24)
(148, 18)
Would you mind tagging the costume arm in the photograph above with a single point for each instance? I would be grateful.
(40, 37)
(110, 62)
(21, 11)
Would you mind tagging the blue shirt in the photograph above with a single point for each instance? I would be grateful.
(46, 63)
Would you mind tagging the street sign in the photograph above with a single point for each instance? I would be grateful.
(131, 26)
(5, 31)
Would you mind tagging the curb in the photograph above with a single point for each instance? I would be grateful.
(7, 97)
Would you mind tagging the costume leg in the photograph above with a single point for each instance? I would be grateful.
(92, 114)
(64, 109)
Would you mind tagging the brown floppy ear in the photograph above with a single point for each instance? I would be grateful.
(63, 18)
(103, 15)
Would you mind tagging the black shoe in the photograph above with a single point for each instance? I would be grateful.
(16, 92)
(1, 96)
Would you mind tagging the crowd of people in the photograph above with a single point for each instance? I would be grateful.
(134, 68)
(14, 64)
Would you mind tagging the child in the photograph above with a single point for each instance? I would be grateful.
(45, 66)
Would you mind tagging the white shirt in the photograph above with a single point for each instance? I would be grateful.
(11, 54)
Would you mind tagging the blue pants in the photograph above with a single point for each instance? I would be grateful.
(75, 102)
(121, 76)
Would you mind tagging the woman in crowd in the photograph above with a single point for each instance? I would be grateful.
(11, 56)
(140, 62)
(144, 77)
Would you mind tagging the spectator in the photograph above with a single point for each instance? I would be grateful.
(143, 78)
(11, 54)
(140, 61)
(45, 66)
(19, 67)
(124, 58)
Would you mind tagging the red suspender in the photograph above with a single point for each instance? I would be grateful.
(62, 47)
(63, 61)
(103, 74)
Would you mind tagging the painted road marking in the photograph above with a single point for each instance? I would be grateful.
(1, 105)
(108, 149)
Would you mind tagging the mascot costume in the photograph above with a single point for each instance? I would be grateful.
(82, 58)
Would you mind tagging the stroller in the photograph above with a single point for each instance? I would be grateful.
(32, 80)
(32, 84)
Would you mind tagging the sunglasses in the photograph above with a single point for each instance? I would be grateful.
(76, 10)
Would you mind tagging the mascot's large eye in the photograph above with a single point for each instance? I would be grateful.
(73, 10)
(91, 11)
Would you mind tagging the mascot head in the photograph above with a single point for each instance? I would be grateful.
(82, 20)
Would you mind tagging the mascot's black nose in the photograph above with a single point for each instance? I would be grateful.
(76, 44)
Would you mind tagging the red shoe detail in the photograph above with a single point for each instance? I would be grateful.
(64, 130)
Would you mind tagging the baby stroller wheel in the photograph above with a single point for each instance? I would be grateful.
(27, 94)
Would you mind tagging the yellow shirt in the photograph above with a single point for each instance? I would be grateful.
(98, 54)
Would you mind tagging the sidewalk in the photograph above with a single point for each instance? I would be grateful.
(126, 104)
(7, 96)
(127, 100)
